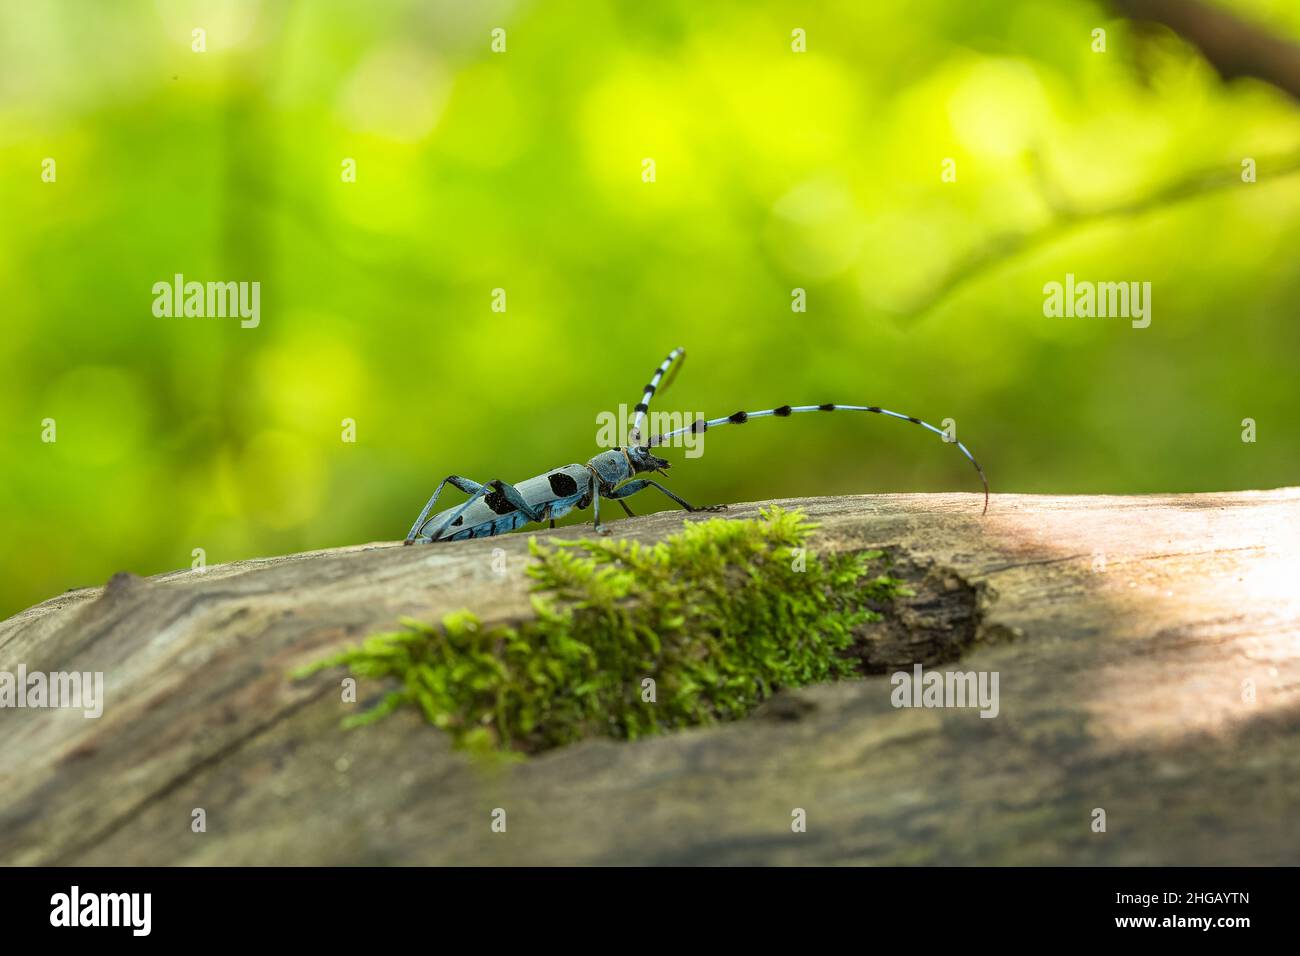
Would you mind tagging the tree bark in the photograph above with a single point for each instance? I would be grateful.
(1148, 653)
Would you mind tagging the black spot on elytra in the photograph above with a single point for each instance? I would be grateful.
(826, 408)
(460, 520)
(739, 418)
(640, 407)
(782, 412)
(496, 500)
(562, 485)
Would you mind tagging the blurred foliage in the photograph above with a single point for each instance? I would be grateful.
(522, 170)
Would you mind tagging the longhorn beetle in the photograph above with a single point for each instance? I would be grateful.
(496, 507)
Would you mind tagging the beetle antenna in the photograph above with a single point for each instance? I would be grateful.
(634, 438)
(739, 418)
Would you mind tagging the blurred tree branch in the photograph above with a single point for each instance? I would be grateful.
(1005, 246)
(1233, 46)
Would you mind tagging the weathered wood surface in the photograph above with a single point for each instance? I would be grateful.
(1123, 630)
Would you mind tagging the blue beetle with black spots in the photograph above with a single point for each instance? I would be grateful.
(496, 507)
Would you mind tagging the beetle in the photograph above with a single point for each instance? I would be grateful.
(497, 507)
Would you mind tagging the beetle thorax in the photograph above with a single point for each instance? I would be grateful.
(611, 466)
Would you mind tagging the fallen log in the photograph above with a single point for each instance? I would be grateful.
(1147, 650)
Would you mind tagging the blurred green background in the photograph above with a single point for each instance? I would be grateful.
(522, 170)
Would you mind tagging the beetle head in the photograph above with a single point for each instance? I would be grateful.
(642, 460)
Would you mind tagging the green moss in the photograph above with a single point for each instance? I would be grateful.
(719, 616)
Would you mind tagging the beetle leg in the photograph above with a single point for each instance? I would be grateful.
(456, 481)
(632, 487)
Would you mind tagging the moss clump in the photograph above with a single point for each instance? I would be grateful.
(719, 616)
